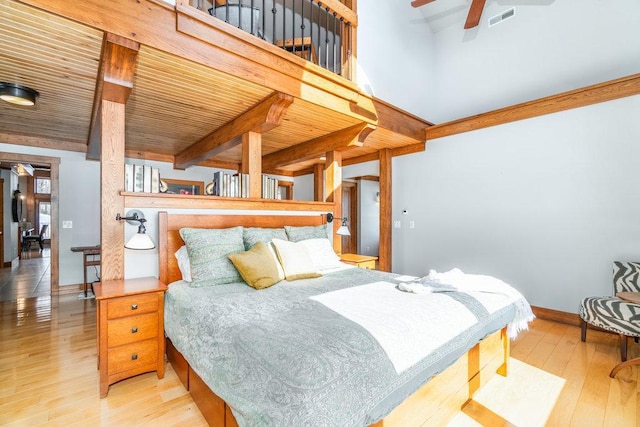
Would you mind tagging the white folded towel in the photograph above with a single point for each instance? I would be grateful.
(414, 287)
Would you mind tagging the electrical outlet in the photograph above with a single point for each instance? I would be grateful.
(396, 224)
(412, 224)
(67, 224)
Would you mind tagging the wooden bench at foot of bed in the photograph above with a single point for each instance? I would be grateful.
(436, 402)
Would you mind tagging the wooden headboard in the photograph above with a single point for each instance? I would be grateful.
(169, 225)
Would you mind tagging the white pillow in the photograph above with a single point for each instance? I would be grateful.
(295, 260)
(321, 253)
(272, 249)
(183, 263)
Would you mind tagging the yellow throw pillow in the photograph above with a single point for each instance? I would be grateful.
(256, 266)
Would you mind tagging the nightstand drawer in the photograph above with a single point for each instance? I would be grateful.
(369, 265)
(134, 356)
(136, 304)
(130, 329)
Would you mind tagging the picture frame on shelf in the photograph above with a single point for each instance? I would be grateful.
(181, 186)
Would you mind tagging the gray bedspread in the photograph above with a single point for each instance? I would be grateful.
(279, 358)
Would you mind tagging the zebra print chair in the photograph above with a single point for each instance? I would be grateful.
(612, 313)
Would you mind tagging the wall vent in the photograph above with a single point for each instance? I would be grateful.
(509, 13)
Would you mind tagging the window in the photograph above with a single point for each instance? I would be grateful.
(43, 186)
(44, 217)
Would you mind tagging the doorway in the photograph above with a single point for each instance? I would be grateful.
(350, 211)
(53, 163)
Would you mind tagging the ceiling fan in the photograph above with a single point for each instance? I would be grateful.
(475, 11)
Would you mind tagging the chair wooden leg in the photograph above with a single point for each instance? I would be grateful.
(623, 347)
(617, 368)
(583, 330)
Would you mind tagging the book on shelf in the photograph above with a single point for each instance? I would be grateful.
(128, 177)
(138, 178)
(155, 180)
(217, 183)
(146, 180)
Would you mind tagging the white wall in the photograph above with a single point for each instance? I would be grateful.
(10, 227)
(79, 202)
(546, 204)
(394, 45)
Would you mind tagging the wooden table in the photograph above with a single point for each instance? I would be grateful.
(360, 261)
(632, 297)
(92, 252)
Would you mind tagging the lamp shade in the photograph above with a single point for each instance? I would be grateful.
(343, 231)
(140, 241)
(17, 94)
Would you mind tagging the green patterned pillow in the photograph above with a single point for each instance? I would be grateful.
(253, 235)
(208, 250)
(296, 234)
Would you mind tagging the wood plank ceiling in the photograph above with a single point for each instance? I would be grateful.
(174, 103)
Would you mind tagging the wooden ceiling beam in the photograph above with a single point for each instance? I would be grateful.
(260, 118)
(398, 121)
(601, 92)
(114, 83)
(408, 149)
(43, 142)
(341, 140)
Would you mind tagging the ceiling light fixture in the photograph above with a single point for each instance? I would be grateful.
(18, 94)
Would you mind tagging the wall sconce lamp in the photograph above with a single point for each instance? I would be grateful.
(18, 94)
(343, 230)
(140, 240)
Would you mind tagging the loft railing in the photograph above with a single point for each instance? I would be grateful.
(318, 31)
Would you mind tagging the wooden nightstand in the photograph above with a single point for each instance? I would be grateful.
(130, 329)
(360, 261)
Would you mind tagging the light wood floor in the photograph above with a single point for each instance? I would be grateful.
(48, 376)
(30, 277)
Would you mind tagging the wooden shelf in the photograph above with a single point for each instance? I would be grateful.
(184, 201)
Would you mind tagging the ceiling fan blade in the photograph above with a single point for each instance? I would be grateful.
(475, 12)
(418, 3)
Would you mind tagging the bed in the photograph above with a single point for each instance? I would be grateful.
(292, 344)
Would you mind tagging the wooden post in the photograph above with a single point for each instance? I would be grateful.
(333, 190)
(385, 254)
(112, 182)
(114, 85)
(252, 162)
(318, 182)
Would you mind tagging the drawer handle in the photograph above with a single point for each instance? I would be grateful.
(134, 330)
(134, 306)
(134, 357)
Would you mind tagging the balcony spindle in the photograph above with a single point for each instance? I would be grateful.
(252, 9)
(264, 19)
(326, 39)
(319, 39)
(226, 15)
(293, 27)
(335, 53)
(284, 22)
(273, 28)
(302, 30)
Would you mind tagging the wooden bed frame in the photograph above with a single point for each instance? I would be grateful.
(435, 402)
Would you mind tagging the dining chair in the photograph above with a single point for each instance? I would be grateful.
(27, 240)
